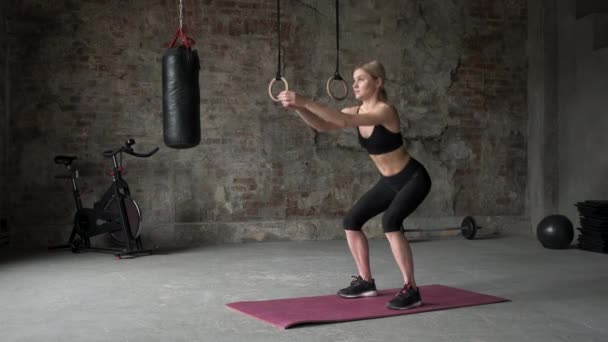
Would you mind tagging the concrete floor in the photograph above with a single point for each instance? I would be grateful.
(181, 295)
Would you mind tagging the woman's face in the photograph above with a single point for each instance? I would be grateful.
(365, 86)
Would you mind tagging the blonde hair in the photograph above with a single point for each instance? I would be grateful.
(376, 70)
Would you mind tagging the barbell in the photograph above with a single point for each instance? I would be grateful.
(468, 228)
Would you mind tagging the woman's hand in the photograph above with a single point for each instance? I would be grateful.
(291, 99)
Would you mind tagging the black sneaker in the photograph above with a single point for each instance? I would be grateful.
(407, 298)
(359, 288)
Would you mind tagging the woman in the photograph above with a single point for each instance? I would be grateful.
(403, 185)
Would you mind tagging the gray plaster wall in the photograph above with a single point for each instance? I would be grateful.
(87, 75)
(583, 115)
(4, 86)
(567, 85)
(543, 123)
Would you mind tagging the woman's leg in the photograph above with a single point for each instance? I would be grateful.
(359, 248)
(410, 196)
(372, 203)
(403, 256)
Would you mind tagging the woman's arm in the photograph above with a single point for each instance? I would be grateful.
(335, 117)
(343, 120)
(314, 121)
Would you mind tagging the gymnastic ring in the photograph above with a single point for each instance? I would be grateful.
(331, 94)
(272, 83)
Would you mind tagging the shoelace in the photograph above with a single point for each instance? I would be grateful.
(356, 280)
(406, 288)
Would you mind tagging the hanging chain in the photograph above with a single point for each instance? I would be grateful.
(337, 74)
(278, 77)
(181, 14)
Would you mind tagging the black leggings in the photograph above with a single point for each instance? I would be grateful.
(398, 196)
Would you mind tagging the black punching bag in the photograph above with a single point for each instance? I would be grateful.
(181, 98)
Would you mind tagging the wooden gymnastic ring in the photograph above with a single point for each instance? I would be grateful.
(272, 83)
(331, 94)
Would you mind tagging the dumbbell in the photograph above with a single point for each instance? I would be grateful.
(468, 228)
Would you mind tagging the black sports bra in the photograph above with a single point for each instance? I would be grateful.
(381, 140)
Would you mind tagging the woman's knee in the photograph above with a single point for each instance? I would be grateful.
(350, 222)
(394, 236)
(391, 223)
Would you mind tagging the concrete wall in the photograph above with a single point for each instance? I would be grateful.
(87, 76)
(567, 82)
(543, 123)
(3, 124)
(583, 114)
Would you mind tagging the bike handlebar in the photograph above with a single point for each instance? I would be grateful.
(128, 150)
(143, 155)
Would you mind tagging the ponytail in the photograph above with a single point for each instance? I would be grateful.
(383, 95)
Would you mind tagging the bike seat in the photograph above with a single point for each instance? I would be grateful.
(66, 160)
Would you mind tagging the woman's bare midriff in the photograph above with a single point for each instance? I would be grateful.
(391, 163)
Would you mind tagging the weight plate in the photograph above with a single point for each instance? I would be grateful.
(468, 228)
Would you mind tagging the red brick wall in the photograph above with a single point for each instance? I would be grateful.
(87, 75)
(489, 86)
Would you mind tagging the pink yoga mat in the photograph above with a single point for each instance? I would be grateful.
(286, 313)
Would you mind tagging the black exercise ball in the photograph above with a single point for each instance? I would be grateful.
(555, 232)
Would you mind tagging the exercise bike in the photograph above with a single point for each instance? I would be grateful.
(116, 213)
